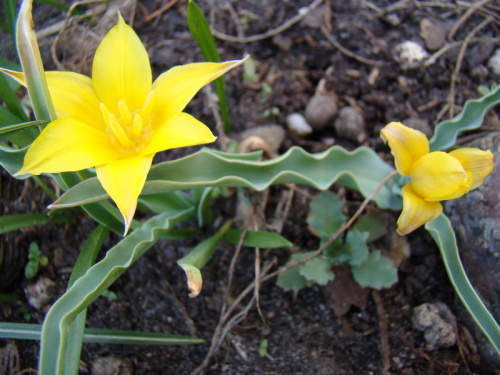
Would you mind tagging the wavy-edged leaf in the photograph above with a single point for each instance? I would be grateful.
(325, 214)
(292, 280)
(22, 331)
(376, 272)
(263, 240)
(318, 270)
(196, 259)
(471, 117)
(442, 232)
(361, 170)
(91, 285)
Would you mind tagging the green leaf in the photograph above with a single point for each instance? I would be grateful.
(10, 7)
(174, 200)
(318, 270)
(291, 280)
(10, 99)
(200, 29)
(90, 286)
(198, 257)
(23, 331)
(85, 260)
(264, 240)
(353, 251)
(376, 272)
(442, 232)
(361, 170)
(9, 223)
(471, 117)
(372, 223)
(326, 215)
(15, 127)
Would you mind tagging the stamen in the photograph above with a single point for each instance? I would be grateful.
(124, 112)
(148, 106)
(119, 132)
(105, 112)
(137, 126)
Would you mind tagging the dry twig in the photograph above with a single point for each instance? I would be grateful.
(465, 17)
(383, 326)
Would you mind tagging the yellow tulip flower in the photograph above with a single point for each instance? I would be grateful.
(118, 120)
(435, 176)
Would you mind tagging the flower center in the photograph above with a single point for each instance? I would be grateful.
(130, 129)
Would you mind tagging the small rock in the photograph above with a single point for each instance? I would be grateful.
(298, 124)
(393, 19)
(479, 53)
(273, 136)
(112, 365)
(419, 124)
(433, 32)
(314, 18)
(479, 71)
(351, 125)
(494, 63)
(321, 110)
(284, 43)
(438, 324)
(40, 293)
(409, 54)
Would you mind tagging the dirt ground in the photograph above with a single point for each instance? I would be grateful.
(348, 46)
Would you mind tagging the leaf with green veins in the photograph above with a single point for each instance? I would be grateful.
(353, 251)
(264, 240)
(318, 270)
(376, 272)
(372, 223)
(326, 215)
(291, 280)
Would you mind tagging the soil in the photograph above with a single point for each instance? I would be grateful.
(304, 334)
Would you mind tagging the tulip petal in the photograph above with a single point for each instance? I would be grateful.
(121, 69)
(179, 130)
(479, 163)
(73, 96)
(416, 211)
(123, 180)
(177, 86)
(438, 176)
(67, 145)
(407, 145)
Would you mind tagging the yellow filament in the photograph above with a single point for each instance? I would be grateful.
(119, 132)
(124, 112)
(137, 126)
(148, 105)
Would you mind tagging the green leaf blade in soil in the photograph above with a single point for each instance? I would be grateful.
(91, 285)
(199, 28)
(471, 117)
(361, 170)
(317, 270)
(376, 272)
(10, 223)
(263, 240)
(291, 280)
(442, 232)
(325, 214)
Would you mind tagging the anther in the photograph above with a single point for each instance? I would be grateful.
(119, 132)
(124, 112)
(137, 126)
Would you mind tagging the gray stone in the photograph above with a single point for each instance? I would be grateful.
(437, 323)
(351, 125)
(475, 220)
(272, 135)
(112, 365)
(320, 110)
(433, 32)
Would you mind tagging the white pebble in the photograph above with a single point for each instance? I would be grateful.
(494, 63)
(409, 54)
(298, 124)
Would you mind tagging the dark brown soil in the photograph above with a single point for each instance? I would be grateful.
(304, 335)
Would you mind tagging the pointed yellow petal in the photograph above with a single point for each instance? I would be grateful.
(121, 69)
(177, 86)
(416, 211)
(123, 180)
(17, 76)
(407, 145)
(438, 176)
(73, 96)
(479, 163)
(180, 130)
(68, 145)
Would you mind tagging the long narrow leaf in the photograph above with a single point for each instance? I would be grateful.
(22, 331)
(200, 29)
(10, 99)
(4, 130)
(361, 170)
(91, 285)
(85, 260)
(9, 223)
(442, 233)
(471, 117)
(10, 16)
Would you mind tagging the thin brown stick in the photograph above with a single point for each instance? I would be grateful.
(161, 10)
(348, 53)
(433, 58)
(454, 76)
(383, 326)
(465, 17)
(292, 21)
(219, 124)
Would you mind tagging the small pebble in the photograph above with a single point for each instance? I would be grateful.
(321, 110)
(419, 124)
(40, 293)
(272, 135)
(494, 63)
(112, 365)
(298, 124)
(433, 32)
(438, 324)
(350, 124)
(284, 43)
(409, 54)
